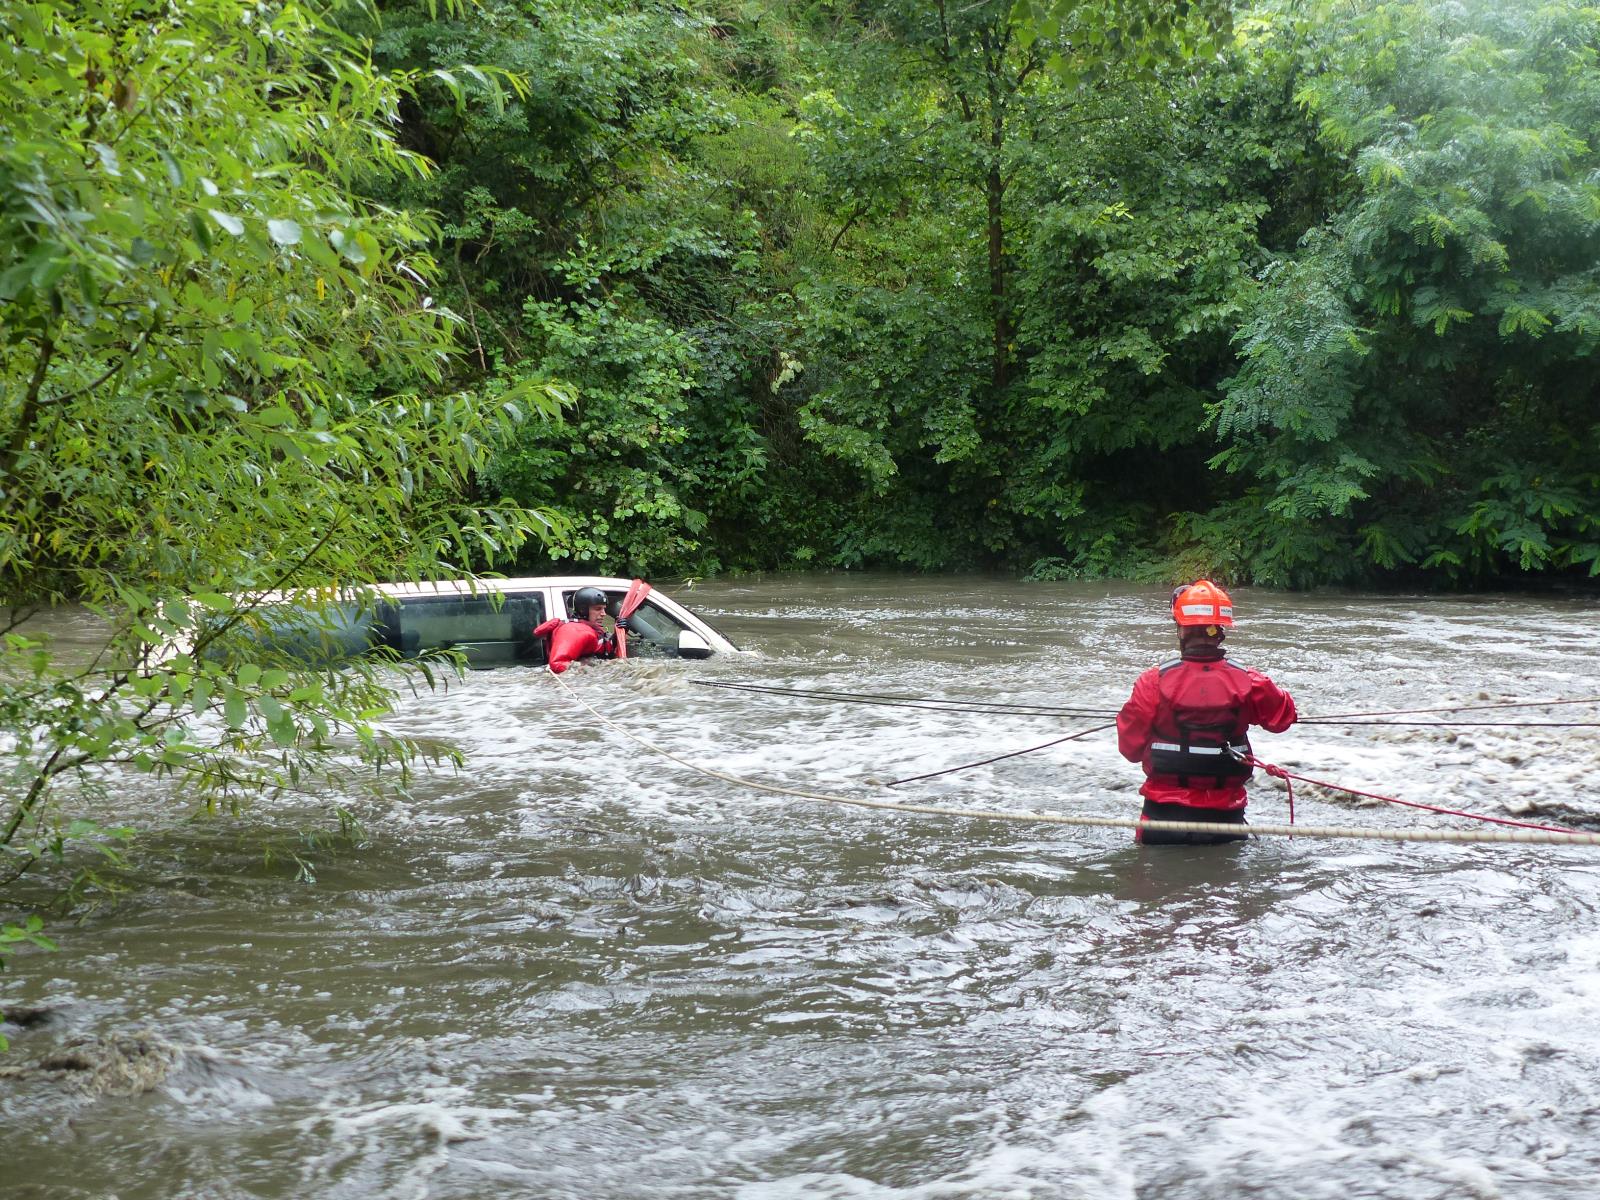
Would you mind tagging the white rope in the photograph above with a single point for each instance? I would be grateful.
(1535, 837)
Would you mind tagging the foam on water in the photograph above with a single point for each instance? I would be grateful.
(578, 970)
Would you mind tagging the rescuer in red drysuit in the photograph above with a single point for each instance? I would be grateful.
(1188, 718)
(582, 637)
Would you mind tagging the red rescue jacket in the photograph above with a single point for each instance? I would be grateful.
(569, 641)
(1182, 717)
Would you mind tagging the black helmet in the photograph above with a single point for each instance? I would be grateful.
(584, 599)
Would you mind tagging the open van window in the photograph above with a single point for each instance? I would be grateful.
(653, 630)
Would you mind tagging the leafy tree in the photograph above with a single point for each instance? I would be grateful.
(1418, 379)
(603, 228)
(220, 376)
(1054, 190)
(1149, 222)
(609, 460)
(910, 328)
(910, 282)
(800, 348)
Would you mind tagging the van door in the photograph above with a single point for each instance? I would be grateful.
(652, 630)
(490, 629)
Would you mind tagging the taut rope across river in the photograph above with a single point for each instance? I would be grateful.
(1536, 837)
(938, 704)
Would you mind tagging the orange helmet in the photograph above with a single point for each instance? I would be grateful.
(1202, 603)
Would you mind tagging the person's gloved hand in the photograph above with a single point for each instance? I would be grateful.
(622, 624)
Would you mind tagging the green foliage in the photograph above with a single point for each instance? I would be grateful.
(1034, 281)
(603, 230)
(221, 374)
(610, 460)
(1133, 282)
(1093, 284)
(29, 933)
(1141, 34)
(1417, 381)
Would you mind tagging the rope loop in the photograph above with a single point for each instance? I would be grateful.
(1271, 769)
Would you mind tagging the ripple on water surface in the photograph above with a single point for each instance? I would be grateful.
(579, 970)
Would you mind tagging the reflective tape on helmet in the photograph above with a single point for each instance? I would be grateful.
(1202, 603)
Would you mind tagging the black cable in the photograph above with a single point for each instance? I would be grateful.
(925, 704)
(934, 704)
(930, 704)
(1012, 754)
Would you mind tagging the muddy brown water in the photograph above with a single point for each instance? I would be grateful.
(579, 970)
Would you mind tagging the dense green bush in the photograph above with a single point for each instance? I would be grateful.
(221, 375)
(1417, 381)
(1293, 293)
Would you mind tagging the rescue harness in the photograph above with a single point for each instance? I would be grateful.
(1208, 740)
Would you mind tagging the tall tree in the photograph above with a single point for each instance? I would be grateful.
(606, 227)
(962, 72)
(935, 118)
(220, 376)
(1418, 379)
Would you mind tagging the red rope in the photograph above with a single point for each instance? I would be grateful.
(1275, 771)
(1278, 772)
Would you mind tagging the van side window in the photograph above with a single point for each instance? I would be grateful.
(656, 628)
(321, 634)
(490, 632)
(613, 599)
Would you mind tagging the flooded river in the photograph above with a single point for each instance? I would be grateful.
(579, 970)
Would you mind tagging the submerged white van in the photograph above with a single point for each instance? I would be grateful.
(489, 622)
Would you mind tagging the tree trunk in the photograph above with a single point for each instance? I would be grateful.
(995, 191)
